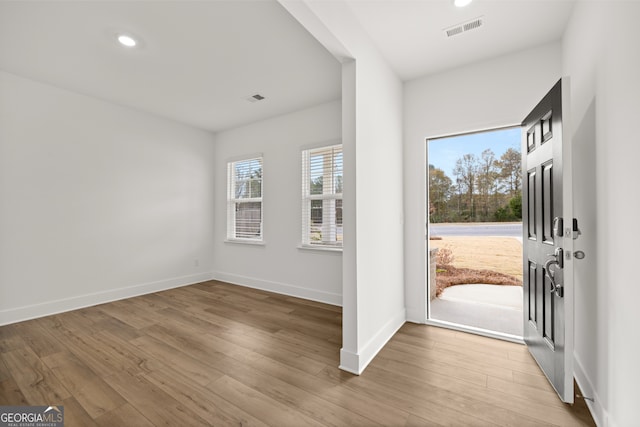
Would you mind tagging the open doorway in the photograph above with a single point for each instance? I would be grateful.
(475, 232)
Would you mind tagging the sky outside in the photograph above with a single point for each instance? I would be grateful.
(444, 152)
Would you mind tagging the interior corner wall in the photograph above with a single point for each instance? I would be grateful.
(484, 95)
(601, 57)
(280, 265)
(99, 202)
(379, 207)
(373, 279)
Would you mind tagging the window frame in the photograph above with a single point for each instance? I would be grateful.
(233, 201)
(326, 196)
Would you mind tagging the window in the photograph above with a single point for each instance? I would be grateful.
(244, 200)
(322, 197)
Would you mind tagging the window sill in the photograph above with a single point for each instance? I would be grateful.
(320, 248)
(246, 242)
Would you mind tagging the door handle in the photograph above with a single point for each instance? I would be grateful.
(557, 261)
(558, 256)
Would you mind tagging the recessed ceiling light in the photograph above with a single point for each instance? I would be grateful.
(461, 3)
(126, 40)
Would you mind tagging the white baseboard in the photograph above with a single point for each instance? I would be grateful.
(415, 315)
(350, 362)
(279, 288)
(357, 362)
(598, 412)
(19, 314)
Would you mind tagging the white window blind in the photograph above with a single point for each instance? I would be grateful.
(322, 197)
(244, 199)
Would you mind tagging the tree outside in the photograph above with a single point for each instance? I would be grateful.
(482, 189)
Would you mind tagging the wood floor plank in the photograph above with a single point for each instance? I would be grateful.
(304, 401)
(10, 393)
(207, 347)
(182, 338)
(247, 303)
(77, 321)
(4, 371)
(118, 328)
(415, 421)
(412, 342)
(466, 363)
(528, 412)
(429, 393)
(271, 346)
(259, 405)
(368, 407)
(523, 391)
(10, 339)
(172, 299)
(496, 351)
(75, 415)
(305, 302)
(38, 338)
(392, 361)
(126, 313)
(537, 381)
(190, 367)
(209, 406)
(487, 360)
(150, 302)
(201, 320)
(220, 354)
(35, 380)
(152, 402)
(105, 355)
(408, 399)
(125, 415)
(218, 287)
(89, 390)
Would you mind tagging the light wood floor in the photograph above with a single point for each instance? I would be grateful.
(218, 354)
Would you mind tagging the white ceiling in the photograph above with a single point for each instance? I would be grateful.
(410, 34)
(197, 63)
(199, 60)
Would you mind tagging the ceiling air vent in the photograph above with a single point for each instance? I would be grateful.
(464, 27)
(255, 98)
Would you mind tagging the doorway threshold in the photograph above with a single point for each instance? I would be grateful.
(473, 330)
(490, 307)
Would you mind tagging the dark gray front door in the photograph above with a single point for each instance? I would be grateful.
(547, 236)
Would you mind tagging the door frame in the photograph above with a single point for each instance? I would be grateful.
(427, 300)
(567, 239)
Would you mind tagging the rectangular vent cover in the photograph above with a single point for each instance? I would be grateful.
(255, 98)
(464, 27)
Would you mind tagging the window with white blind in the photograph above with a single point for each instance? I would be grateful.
(322, 197)
(244, 200)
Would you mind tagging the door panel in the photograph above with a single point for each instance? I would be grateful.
(548, 291)
(531, 217)
(533, 286)
(547, 203)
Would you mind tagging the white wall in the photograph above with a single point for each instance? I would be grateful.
(99, 202)
(601, 56)
(484, 95)
(379, 206)
(279, 265)
(373, 282)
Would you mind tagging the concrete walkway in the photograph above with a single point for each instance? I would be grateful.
(493, 307)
